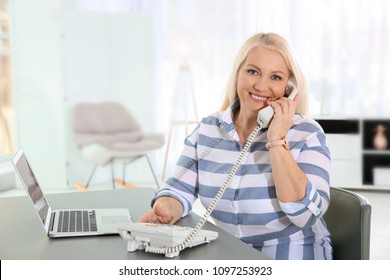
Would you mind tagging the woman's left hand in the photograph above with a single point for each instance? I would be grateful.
(283, 119)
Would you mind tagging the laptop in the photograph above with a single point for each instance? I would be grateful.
(66, 222)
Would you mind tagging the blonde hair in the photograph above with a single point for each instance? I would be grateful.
(277, 43)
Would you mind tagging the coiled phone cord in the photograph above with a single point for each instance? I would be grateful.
(210, 208)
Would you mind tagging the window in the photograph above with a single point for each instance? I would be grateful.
(6, 146)
(343, 46)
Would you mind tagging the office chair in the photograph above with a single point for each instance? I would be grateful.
(106, 132)
(349, 221)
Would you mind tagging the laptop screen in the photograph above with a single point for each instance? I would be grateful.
(32, 187)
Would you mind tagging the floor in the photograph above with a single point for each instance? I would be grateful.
(380, 219)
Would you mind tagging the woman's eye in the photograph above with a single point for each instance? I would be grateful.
(276, 78)
(252, 72)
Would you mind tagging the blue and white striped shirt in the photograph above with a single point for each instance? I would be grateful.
(249, 209)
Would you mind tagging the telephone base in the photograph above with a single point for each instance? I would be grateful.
(141, 235)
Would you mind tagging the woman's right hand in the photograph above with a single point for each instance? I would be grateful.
(166, 210)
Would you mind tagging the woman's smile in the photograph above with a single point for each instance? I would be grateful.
(259, 98)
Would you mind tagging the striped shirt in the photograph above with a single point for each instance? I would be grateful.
(250, 209)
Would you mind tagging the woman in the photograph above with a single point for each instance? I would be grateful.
(277, 198)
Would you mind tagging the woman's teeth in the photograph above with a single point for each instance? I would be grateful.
(258, 97)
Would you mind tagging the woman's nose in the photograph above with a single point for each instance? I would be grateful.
(259, 85)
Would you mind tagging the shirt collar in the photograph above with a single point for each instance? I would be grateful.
(227, 117)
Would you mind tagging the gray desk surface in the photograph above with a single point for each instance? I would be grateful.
(23, 237)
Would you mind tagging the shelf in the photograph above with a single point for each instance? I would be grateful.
(376, 152)
(356, 150)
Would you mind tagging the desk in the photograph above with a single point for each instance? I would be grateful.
(23, 237)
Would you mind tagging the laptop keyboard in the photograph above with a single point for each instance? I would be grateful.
(77, 221)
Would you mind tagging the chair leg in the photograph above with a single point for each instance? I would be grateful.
(90, 176)
(150, 166)
(151, 169)
(93, 173)
(124, 168)
(112, 174)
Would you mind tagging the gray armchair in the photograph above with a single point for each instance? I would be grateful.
(349, 222)
(106, 132)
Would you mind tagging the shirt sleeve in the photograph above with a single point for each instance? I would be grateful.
(314, 160)
(183, 185)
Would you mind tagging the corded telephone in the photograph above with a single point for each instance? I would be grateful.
(170, 240)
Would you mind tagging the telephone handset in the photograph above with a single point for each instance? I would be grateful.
(265, 115)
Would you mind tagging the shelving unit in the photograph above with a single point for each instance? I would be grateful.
(376, 151)
(356, 162)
